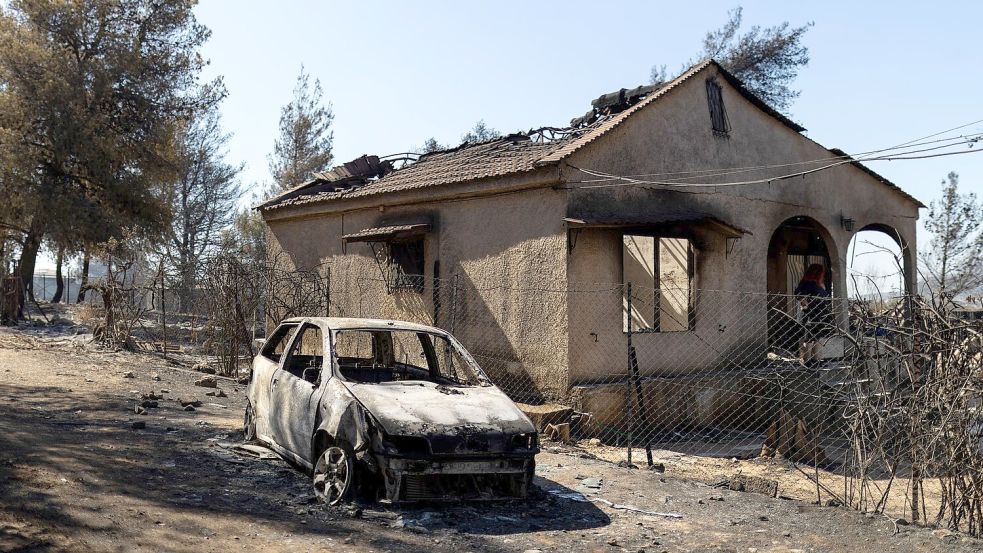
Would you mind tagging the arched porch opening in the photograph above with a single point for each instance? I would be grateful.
(797, 243)
(879, 264)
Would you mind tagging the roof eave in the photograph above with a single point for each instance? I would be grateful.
(538, 177)
(877, 176)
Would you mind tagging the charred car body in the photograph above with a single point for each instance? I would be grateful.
(396, 410)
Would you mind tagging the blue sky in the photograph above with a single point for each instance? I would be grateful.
(397, 73)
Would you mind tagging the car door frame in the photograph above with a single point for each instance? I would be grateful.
(300, 453)
(263, 370)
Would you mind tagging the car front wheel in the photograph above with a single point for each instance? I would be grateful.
(334, 475)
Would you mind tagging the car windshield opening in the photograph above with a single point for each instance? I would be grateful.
(377, 355)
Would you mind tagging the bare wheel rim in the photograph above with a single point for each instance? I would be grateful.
(332, 475)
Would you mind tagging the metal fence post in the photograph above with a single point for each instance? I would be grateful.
(453, 302)
(327, 293)
(640, 420)
(163, 313)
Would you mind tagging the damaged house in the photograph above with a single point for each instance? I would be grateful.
(522, 246)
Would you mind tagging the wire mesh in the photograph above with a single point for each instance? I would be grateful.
(877, 400)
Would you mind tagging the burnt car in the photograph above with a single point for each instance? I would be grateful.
(392, 410)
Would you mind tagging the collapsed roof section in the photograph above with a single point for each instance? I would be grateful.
(510, 155)
(353, 174)
(613, 102)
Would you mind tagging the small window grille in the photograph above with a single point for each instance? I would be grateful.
(406, 263)
(718, 115)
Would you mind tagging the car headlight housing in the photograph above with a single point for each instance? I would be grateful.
(528, 441)
(406, 445)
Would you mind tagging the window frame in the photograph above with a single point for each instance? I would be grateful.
(269, 345)
(719, 122)
(296, 341)
(656, 285)
(430, 351)
(401, 279)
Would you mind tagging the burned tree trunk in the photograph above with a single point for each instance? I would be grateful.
(59, 281)
(84, 281)
(9, 300)
(28, 260)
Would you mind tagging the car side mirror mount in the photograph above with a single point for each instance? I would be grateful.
(312, 375)
(258, 344)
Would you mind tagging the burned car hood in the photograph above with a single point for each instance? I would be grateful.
(419, 408)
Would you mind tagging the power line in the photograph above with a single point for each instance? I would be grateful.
(696, 173)
(628, 181)
(941, 132)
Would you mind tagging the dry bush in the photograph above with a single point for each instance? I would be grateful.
(89, 315)
(913, 420)
(123, 290)
(242, 296)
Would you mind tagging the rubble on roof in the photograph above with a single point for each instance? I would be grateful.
(614, 102)
(363, 168)
(508, 155)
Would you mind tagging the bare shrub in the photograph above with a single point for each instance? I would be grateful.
(123, 290)
(243, 296)
(913, 420)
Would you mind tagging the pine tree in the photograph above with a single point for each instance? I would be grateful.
(92, 94)
(304, 144)
(765, 60)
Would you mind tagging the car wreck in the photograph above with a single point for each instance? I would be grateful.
(390, 410)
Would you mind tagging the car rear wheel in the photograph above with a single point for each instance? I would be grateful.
(249, 425)
(334, 475)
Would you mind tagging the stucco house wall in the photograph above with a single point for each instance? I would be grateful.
(674, 135)
(497, 249)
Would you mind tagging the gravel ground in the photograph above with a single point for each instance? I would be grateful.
(76, 476)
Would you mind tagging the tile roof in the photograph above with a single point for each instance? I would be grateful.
(512, 155)
(494, 158)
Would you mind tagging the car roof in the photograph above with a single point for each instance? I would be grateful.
(343, 323)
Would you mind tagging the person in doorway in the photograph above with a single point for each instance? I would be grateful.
(817, 311)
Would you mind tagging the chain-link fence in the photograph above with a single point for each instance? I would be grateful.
(875, 402)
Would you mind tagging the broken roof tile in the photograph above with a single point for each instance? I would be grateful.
(499, 157)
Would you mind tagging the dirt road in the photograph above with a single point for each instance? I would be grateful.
(76, 476)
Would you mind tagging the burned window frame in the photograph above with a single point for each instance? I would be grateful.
(395, 272)
(295, 349)
(656, 284)
(409, 269)
(428, 341)
(719, 121)
(288, 331)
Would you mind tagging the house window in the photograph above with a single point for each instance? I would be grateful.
(406, 264)
(660, 271)
(718, 115)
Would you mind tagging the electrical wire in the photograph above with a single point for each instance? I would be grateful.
(971, 138)
(628, 181)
